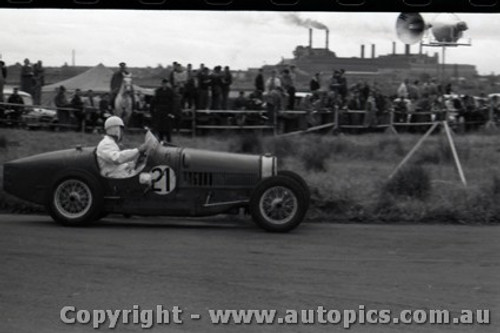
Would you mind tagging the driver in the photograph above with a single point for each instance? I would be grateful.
(114, 162)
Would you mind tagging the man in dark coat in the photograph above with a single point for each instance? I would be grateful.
(163, 111)
(116, 82)
(15, 98)
(39, 82)
(77, 105)
(216, 78)
(27, 77)
(259, 82)
(204, 83)
(315, 83)
(227, 81)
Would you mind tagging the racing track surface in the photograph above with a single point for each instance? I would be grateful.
(210, 264)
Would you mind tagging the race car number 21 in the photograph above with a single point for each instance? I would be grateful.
(162, 179)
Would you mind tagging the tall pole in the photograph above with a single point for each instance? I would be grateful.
(73, 58)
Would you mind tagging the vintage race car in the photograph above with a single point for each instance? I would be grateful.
(169, 181)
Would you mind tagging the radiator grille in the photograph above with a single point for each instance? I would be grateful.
(199, 178)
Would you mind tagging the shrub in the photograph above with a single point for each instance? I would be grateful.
(315, 156)
(283, 147)
(412, 181)
(247, 144)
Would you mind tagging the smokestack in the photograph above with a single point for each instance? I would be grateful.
(421, 48)
(362, 51)
(407, 49)
(310, 38)
(393, 47)
(327, 39)
(73, 56)
(373, 51)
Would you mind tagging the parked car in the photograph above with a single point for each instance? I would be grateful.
(170, 181)
(32, 117)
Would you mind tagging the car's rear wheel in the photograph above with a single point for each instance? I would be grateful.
(75, 201)
(278, 204)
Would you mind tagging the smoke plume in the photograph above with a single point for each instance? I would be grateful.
(307, 23)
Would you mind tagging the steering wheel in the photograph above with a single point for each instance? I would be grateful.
(151, 141)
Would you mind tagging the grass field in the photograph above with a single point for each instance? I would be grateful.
(347, 174)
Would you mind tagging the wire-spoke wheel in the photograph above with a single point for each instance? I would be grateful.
(278, 204)
(75, 201)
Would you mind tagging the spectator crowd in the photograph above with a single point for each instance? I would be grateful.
(275, 90)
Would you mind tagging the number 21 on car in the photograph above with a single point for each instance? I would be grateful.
(163, 179)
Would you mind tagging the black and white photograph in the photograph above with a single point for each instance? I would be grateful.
(249, 171)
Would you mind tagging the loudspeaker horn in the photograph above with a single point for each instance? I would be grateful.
(410, 27)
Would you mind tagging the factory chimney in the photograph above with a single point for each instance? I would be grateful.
(393, 47)
(362, 51)
(373, 51)
(310, 38)
(407, 49)
(327, 45)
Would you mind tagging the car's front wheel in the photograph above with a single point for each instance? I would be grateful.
(75, 201)
(278, 204)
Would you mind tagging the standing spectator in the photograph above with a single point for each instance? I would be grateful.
(335, 83)
(3, 78)
(62, 104)
(190, 88)
(163, 111)
(433, 88)
(204, 83)
(227, 81)
(354, 101)
(342, 81)
(274, 82)
(403, 90)
(273, 97)
(216, 84)
(104, 107)
(289, 87)
(15, 98)
(116, 82)
(175, 64)
(39, 79)
(179, 80)
(414, 91)
(27, 77)
(315, 83)
(371, 111)
(77, 106)
(91, 109)
(259, 82)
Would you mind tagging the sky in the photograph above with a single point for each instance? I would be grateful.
(237, 39)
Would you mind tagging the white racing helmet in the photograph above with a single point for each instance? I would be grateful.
(112, 122)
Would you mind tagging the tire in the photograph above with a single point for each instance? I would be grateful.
(278, 204)
(76, 201)
(296, 177)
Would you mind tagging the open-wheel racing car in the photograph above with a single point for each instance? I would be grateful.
(168, 181)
